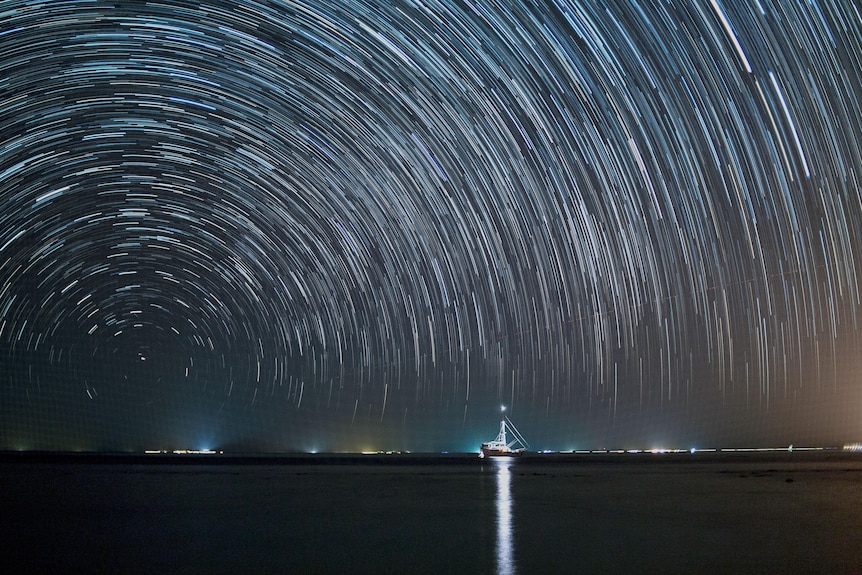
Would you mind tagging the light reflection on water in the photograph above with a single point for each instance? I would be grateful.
(505, 534)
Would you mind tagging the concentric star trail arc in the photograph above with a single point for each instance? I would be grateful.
(289, 220)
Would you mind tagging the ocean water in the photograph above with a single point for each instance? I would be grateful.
(791, 513)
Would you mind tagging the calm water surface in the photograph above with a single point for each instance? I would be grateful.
(533, 515)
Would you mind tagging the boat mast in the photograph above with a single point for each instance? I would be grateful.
(501, 437)
(505, 423)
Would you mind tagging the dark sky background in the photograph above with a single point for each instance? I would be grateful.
(366, 225)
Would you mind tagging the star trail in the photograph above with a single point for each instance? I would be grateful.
(371, 223)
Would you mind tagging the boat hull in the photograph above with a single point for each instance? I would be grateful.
(490, 452)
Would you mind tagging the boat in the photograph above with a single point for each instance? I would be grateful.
(501, 446)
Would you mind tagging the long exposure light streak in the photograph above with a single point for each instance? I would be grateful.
(283, 220)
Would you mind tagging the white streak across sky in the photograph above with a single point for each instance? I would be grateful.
(628, 221)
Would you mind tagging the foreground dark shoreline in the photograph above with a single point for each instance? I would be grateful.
(798, 457)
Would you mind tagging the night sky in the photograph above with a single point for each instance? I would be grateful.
(365, 225)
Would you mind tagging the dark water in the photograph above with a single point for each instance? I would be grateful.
(630, 514)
